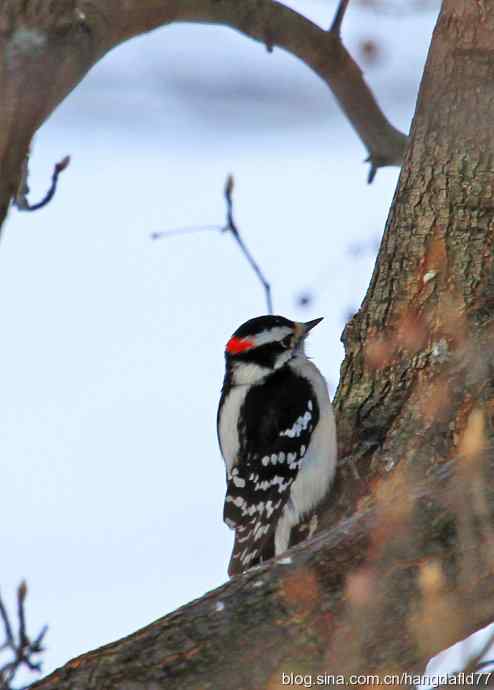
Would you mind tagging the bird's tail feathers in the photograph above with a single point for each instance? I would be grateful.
(254, 544)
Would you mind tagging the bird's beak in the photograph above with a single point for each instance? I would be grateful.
(309, 325)
(302, 329)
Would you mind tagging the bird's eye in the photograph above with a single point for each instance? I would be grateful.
(286, 342)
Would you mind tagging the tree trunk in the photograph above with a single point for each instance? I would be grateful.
(404, 564)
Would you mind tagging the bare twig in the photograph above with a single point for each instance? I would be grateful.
(184, 231)
(21, 200)
(231, 227)
(338, 18)
(22, 650)
(374, 166)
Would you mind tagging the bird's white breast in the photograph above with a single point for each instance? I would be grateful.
(318, 466)
(228, 427)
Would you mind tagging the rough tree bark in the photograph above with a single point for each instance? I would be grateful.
(402, 565)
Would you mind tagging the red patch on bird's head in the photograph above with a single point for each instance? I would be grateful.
(236, 345)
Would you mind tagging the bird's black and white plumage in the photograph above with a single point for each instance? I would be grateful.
(277, 436)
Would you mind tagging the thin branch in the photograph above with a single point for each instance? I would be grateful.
(9, 636)
(21, 598)
(21, 200)
(21, 648)
(338, 18)
(184, 231)
(485, 664)
(232, 228)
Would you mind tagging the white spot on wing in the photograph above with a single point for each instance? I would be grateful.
(299, 425)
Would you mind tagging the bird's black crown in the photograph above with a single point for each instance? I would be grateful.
(261, 323)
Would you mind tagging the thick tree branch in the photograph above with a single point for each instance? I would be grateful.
(47, 47)
(377, 594)
(275, 25)
(272, 23)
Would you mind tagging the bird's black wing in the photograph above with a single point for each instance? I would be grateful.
(278, 417)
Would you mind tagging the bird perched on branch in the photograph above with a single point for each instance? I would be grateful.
(277, 435)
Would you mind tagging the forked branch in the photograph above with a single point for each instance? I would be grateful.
(21, 200)
(21, 650)
(230, 227)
